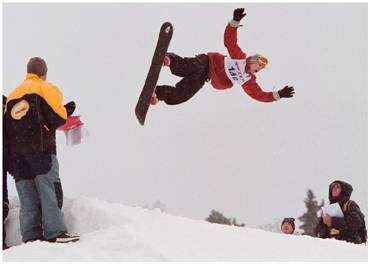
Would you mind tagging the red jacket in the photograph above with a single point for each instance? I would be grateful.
(217, 70)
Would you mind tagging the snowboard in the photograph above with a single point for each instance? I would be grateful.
(142, 106)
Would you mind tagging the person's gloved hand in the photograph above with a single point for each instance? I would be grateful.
(286, 92)
(70, 107)
(238, 14)
(327, 219)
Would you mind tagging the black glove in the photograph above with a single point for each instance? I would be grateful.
(238, 14)
(70, 107)
(286, 92)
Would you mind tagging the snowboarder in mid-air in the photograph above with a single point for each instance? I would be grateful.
(222, 71)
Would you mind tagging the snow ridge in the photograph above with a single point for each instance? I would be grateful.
(115, 232)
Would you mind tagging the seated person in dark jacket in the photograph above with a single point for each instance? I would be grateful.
(351, 227)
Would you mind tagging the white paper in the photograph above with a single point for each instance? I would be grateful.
(333, 210)
(75, 135)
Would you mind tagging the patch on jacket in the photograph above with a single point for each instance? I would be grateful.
(235, 71)
(20, 109)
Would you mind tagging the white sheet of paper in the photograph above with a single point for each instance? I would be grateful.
(75, 135)
(333, 210)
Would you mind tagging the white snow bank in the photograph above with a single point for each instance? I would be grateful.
(114, 232)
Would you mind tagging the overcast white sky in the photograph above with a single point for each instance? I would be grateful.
(221, 150)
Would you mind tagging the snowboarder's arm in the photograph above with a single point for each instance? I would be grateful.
(255, 91)
(252, 88)
(230, 35)
(230, 41)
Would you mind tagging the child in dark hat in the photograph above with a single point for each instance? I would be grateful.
(288, 226)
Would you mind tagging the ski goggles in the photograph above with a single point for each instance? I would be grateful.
(258, 59)
(263, 60)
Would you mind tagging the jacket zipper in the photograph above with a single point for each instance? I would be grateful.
(38, 115)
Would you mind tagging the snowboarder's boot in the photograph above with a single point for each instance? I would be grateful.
(154, 100)
(166, 61)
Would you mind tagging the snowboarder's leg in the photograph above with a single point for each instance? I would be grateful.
(196, 71)
(51, 197)
(184, 90)
(184, 67)
(30, 213)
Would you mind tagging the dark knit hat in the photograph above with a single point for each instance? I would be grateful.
(289, 220)
(37, 66)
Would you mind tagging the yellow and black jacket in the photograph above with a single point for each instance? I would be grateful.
(33, 112)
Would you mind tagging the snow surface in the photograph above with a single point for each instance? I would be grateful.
(115, 232)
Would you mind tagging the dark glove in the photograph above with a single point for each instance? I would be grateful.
(70, 107)
(286, 92)
(238, 14)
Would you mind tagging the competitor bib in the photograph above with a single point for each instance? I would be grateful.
(235, 70)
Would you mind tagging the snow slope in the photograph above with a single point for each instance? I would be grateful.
(114, 232)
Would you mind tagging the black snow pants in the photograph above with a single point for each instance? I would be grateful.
(195, 72)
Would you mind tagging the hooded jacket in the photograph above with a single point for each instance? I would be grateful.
(347, 228)
(223, 68)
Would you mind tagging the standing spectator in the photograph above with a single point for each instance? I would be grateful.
(33, 112)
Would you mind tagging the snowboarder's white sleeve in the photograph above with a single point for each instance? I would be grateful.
(276, 95)
(234, 23)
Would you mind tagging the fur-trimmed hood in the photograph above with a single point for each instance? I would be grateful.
(345, 194)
